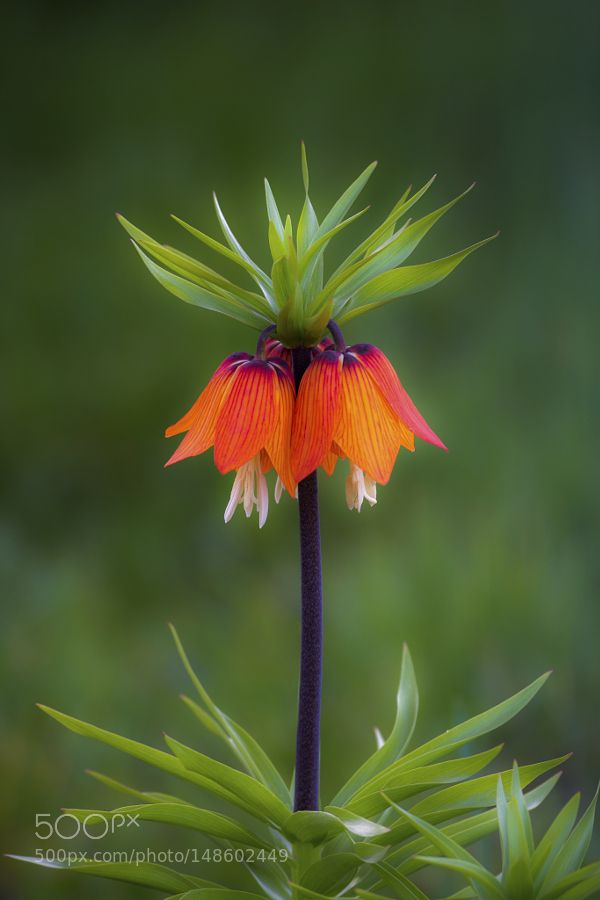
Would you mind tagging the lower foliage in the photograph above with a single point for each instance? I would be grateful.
(401, 811)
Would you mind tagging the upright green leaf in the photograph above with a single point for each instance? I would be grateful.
(245, 747)
(574, 849)
(341, 206)
(407, 707)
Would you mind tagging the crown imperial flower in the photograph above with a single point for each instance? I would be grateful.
(350, 401)
(245, 413)
(352, 405)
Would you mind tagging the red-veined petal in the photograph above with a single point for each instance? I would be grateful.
(316, 413)
(203, 407)
(278, 445)
(201, 420)
(247, 418)
(390, 386)
(368, 431)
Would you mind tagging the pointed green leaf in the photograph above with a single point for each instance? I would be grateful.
(407, 707)
(393, 252)
(464, 832)
(475, 727)
(579, 884)
(252, 793)
(385, 230)
(404, 783)
(554, 840)
(304, 163)
(197, 296)
(146, 796)
(244, 261)
(145, 874)
(341, 207)
(157, 758)
(272, 210)
(483, 881)
(403, 281)
(574, 849)
(245, 747)
(183, 814)
(402, 886)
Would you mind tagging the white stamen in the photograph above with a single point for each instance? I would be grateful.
(249, 489)
(359, 487)
(278, 489)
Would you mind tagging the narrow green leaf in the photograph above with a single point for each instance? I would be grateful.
(190, 269)
(384, 231)
(407, 707)
(402, 886)
(304, 163)
(183, 814)
(217, 893)
(394, 251)
(245, 747)
(308, 225)
(574, 849)
(517, 876)
(157, 758)
(475, 727)
(554, 840)
(146, 796)
(145, 874)
(581, 883)
(461, 798)
(319, 244)
(244, 261)
(464, 832)
(341, 207)
(237, 248)
(403, 281)
(272, 210)
(408, 782)
(473, 871)
(197, 296)
(255, 795)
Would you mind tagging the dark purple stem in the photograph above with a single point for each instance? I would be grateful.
(311, 653)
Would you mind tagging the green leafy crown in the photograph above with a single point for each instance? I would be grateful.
(296, 295)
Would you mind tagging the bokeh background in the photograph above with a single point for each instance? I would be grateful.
(484, 560)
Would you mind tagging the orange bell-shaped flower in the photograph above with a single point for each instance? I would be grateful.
(351, 404)
(245, 413)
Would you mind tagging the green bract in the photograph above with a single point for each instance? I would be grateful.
(296, 295)
(389, 820)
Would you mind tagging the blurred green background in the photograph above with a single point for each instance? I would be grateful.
(484, 560)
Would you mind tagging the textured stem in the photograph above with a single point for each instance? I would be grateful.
(311, 652)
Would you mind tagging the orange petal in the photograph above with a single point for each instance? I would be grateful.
(389, 384)
(330, 461)
(213, 389)
(316, 413)
(368, 431)
(278, 445)
(247, 418)
(200, 421)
